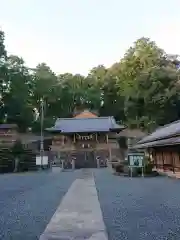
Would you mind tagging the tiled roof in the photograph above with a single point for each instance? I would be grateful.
(158, 143)
(99, 124)
(167, 131)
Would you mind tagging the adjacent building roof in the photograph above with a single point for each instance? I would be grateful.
(162, 136)
(94, 124)
(159, 143)
(167, 131)
(132, 133)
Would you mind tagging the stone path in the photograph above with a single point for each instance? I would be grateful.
(79, 215)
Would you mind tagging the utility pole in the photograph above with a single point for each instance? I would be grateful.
(42, 135)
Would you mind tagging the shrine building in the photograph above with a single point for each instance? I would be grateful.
(163, 146)
(88, 140)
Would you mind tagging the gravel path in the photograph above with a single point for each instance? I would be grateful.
(28, 201)
(137, 208)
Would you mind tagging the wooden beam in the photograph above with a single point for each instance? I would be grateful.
(110, 152)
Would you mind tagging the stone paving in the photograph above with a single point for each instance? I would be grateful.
(78, 215)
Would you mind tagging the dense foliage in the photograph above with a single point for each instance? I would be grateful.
(141, 90)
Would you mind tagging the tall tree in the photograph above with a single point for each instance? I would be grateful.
(142, 89)
(18, 107)
(148, 80)
(3, 75)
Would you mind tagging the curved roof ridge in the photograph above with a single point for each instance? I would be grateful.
(98, 124)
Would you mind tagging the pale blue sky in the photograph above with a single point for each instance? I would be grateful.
(76, 35)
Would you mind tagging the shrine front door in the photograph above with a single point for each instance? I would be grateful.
(85, 159)
(90, 160)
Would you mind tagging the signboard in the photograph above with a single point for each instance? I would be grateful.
(44, 160)
(136, 159)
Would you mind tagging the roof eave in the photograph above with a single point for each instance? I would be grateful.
(142, 146)
(117, 129)
(139, 147)
(52, 130)
(88, 131)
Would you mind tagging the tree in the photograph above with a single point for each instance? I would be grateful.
(17, 105)
(3, 75)
(150, 85)
(141, 90)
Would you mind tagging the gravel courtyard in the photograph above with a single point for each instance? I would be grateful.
(132, 209)
(137, 208)
(28, 201)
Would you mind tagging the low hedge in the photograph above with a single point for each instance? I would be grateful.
(148, 169)
(120, 168)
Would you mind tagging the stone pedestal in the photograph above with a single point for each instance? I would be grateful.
(73, 164)
(98, 162)
(62, 166)
(56, 169)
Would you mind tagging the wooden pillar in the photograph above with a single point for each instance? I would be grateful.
(148, 153)
(96, 138)
(179, 157)
(155, 158)
(107, 139)
(162, 159)
(172, 162)
(109, 148)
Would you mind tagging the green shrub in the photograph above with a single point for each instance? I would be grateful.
(122, 142)
(134, 172)
(113, 165)
(139, 170)
(17, 148)
(119, 168)
(148, 168)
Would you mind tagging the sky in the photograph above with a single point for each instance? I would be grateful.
(77, 35)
